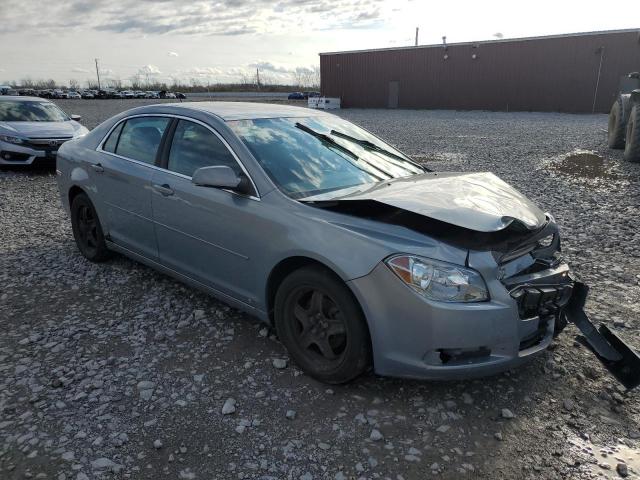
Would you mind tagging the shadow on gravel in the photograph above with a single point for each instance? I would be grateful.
(41, 169)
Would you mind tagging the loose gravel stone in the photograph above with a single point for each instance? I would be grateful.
(280, 363)
(229, 406)
(508, 414)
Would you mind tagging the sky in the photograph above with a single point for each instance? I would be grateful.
(220, 41)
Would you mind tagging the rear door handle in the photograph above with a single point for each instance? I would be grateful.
(165, 189)
(97, 167)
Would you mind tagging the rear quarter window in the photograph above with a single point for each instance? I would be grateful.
(112, 141)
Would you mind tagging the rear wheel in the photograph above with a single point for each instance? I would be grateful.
(87, 230)
(321, 324)
(632, 148)
(618, 122)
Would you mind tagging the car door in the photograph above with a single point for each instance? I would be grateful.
(123, 182)
(205, 233)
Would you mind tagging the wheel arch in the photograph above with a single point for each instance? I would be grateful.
(74, 191)
(290, 264)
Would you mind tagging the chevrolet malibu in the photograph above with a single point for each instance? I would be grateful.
(358, 256)
(32, 129)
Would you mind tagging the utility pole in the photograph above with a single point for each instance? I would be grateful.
(417, 28)
(98, 74)
(258, 78)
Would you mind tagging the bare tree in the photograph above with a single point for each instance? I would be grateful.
(74, 84)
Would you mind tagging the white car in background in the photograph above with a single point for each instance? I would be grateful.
(32, 129)
(73, 94)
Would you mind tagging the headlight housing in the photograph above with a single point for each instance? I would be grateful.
(439, 281)
(10, 139)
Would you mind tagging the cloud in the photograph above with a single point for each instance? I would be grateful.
(269, 67)
(80, 70)
(149, 70)
(185, 17)
(172, 54)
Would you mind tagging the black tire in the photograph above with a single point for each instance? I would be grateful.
(632, 148)
(87, 230)
(618, 122)
(320, 322)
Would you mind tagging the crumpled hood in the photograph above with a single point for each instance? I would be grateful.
(477, 201)
(69, 128)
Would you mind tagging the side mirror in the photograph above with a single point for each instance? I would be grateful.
(221, 177)
(77, 118)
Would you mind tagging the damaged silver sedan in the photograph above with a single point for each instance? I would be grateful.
(358, 256)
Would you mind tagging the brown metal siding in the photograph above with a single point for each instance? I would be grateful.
(544, 74)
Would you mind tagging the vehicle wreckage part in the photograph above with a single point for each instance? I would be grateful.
(616, 356)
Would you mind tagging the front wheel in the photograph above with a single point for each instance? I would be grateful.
(321, 324)
(87, 230)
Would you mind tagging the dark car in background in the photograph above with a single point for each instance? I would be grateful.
(296, 96)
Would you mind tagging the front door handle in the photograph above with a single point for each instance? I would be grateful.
(165, 189)
(97, 167)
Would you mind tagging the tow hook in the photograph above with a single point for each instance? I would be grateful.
(619, 358)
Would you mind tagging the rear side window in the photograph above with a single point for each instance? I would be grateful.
(140, 138)
(112, 141)
(195, 146)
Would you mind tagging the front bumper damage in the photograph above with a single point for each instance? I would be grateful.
(532, 297)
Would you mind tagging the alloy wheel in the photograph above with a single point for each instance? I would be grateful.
(319, 326)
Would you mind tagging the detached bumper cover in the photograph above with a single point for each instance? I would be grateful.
(616, 355)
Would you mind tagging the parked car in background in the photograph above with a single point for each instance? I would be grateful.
(169, 95)
(357, 255)
(7, 90)
(151, 94)
(296, 96)
(32, 129)
(87, 94)
(140, 94)
(73, 94)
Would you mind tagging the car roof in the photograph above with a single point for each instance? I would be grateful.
(248, 110)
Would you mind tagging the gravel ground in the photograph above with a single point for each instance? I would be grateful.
(116, 371)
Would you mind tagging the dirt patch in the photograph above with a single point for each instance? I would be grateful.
(587, 165)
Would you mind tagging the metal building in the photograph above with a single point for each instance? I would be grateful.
(577, 72)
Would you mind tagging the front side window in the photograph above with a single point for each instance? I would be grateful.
(310, 156)
(140, 138)
(195, 146)
(30, 111)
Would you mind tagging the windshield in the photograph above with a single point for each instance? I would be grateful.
(30, 111)
(309, 156)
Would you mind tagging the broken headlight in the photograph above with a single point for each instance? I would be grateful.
(440, 281)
